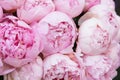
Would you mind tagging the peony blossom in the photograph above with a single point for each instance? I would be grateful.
(97, 67)
(61, 67)
(60, 33)
(94, 37)
(11, 4)
(34, 10)
(71, 7)
(31, 71)
(108, 16)
(19, 43)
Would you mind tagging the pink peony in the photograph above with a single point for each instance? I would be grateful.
(60, 33)
(71, 7)
(31, 71)
(61, 67)
(108, 16)
(97, 67)
(94, 37)
(34, 10)
(19, 43)
(11, 4)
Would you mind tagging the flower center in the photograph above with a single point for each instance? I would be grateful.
(14, 40)
(60, 36)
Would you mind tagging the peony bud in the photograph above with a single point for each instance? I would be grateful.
(60, 33)
(94, 37)
(108, 16)
(19, 43)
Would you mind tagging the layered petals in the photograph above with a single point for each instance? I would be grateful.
(19, 43)
(58, 66)
(72, 8)
(34, 10)
(60, 33)
(31, 71)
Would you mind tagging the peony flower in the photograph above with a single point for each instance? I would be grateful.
(31, 71)
(71, 7)
(61, 67)
(97, 67)
(11, 4)
(34, 10)
(60, 33)
(94, 37)
(108, 16)
(19, 43)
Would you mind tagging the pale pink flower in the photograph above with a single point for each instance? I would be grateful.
(34, 10)
(19, 43)
(71, 7)
(31, 71)
(60, 33)
(108, 16)
(94, 37)
(58, 67)
(97, 67)
(11, 4)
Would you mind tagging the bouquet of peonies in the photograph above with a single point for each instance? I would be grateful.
(59, 39)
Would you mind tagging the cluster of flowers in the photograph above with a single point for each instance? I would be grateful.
(37, 38)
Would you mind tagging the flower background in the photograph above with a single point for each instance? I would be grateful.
(117, 5)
